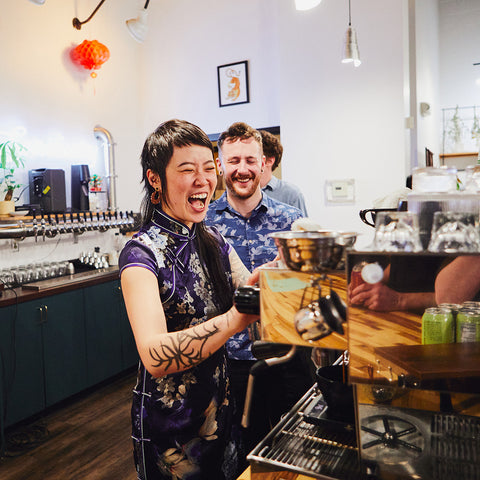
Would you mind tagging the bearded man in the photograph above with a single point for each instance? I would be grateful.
(245, 216)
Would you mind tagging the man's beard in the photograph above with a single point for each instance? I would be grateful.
(241, 192)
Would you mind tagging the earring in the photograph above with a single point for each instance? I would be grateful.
(156, 196)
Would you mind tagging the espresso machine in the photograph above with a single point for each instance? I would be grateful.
(390, 406)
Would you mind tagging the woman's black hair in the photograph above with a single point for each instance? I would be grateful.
(156, 154)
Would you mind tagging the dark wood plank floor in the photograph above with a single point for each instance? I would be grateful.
(88, 439)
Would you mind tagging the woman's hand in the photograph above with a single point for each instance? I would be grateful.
(255, 275)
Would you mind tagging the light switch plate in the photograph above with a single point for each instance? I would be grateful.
(340, 191)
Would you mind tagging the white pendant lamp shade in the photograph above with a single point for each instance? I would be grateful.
(350, 48)
(138, 26)
(306, 4)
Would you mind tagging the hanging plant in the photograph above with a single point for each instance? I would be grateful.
(91, 55)
(475, 126)
(456, 130)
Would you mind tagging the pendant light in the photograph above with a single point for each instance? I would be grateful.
(306, 4)
(138, 27)
(38, 2)
(78, 24)
(350, 48)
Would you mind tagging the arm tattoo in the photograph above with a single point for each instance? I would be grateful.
(185, 349)
(240, 272)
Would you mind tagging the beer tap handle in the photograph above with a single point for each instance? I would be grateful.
(35, 226)
(42, 222)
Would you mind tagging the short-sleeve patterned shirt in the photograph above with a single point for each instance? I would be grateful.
(250, 238)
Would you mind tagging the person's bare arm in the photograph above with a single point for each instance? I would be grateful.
(458, 281)
(379, 297)
(240, 274)
(165, 352)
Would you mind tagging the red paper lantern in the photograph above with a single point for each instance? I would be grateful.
(90, 54)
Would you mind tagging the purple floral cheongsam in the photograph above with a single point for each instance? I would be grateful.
(181, 422)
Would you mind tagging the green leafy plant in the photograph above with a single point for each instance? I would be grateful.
(457, 128)
(11, 158)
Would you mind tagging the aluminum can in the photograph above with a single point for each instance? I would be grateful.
(471, 304)
(468, 325)
(438, 326)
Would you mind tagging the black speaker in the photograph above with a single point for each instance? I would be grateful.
(47, 189)
(80, 181)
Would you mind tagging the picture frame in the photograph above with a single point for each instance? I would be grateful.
(233, 84)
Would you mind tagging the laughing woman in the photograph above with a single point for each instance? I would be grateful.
(178, 279)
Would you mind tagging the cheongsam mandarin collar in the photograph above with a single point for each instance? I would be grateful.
(222, 204)
(175, 227)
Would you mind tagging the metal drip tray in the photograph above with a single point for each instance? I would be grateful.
(67, 279)
(312, 446)
(408, 443)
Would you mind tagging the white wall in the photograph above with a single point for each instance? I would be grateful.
(428, 78)
(336, 121)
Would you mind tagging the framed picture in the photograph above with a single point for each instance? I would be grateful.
(233, 84)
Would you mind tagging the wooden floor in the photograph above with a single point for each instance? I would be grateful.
(88, 439)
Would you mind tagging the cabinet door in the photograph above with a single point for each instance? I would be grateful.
(64, 345)
(22, 361)
(104, 342)
(129, 348)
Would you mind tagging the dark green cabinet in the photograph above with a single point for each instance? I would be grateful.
(129, 349)
(23, 386)
(64, 348)
(104, 342)
(43, 349)
(56, 346)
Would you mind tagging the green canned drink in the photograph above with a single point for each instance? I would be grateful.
(468, 325)
(438, 326)
(454, 307)
(471, 304)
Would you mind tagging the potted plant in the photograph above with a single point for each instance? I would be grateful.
(11, 158)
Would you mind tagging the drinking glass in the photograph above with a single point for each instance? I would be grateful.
(397, 232)
(472, 178)
(454, 232)
(6, 277)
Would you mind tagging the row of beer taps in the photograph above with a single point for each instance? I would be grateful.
(49, 225)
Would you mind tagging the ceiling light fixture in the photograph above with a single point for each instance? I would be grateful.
(306, 4)
(38, 2)
(138, 27)
(350, 48)
(78, 24)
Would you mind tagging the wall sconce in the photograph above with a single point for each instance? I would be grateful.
(306, 4)
(78, 24)
(350, 48)
(138, 27)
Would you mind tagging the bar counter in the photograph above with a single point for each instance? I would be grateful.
(53, 286)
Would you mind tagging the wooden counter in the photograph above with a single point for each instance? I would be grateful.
(282, 292)
(53, 286)
(382, 345)
(281, 475)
